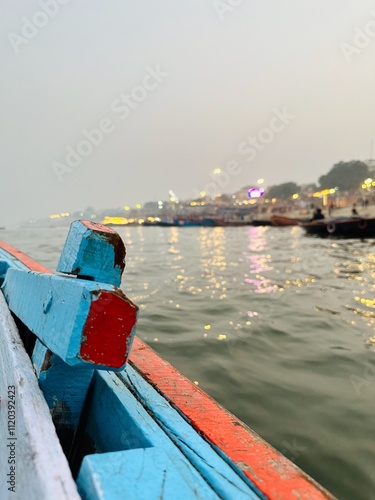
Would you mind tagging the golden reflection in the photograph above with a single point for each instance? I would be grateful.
(212, 242)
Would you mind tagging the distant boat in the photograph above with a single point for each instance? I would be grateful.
(342, 227)
(261, 222)
(280, 220)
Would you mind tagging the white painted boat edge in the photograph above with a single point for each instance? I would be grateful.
(41, 469)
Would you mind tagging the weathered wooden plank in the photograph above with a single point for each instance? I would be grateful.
(226, 482)
(139, 474)
(41, 470)
(82, 322)
(118, 424)
(93, 251)
(64, 388)
(273, 474)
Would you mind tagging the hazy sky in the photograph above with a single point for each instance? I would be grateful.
(177, 88)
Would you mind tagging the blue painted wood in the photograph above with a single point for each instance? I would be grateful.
(7, 262)
(93, 251)
(41, 469)
(139, 475)
(57, 308)
(132, 442)
(227, 479)
(117, 423)
(64, 388)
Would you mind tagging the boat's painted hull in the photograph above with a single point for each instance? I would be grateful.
(156, 431)
(280, 221)
(341, 228)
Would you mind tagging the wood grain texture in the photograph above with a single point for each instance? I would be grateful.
(136, 458)
(225, 481)
(82, 322)
(93, 251)
(42, 471)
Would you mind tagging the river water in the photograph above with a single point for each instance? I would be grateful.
(276, 326)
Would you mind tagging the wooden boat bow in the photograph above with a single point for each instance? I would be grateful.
(83, 430)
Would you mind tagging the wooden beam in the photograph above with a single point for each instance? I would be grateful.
(82, 322)
(93, 251)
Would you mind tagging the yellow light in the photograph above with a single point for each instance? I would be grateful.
(260, 181)
(273, 200)
(202, 193)
(207, 327)
(364, 186)
(368, 181)
(217, 171)
(138, 205)
(126, 207)
(119, 221)
(295, 196)
(221, 337)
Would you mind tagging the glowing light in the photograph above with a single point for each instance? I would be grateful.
(126, 207)
(255, 192)
(295, 196)
(202, 193)
(216, 171)
(138, 205)
(119, 221)
(260, 181)
(207, 327)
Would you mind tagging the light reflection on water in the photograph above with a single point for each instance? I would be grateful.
(276, 326)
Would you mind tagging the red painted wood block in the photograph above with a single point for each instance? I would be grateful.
(115, 315)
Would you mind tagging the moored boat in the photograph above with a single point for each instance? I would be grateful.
(281, 220)
(261, 222)
(136, 429)
(342, 227)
